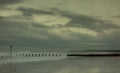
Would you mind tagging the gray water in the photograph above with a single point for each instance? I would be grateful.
(78, 65)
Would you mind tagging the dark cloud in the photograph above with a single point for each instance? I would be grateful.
(30, 11)
(86, 21)
(5, 2)
(76, 20)
(19, 32)
(1, 17)
(25, 32)
(117, 16)
(113, 39)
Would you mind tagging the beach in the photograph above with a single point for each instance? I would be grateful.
(74, 65)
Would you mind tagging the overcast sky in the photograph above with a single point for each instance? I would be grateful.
(60, 23)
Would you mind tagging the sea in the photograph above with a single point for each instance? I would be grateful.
(69, 65)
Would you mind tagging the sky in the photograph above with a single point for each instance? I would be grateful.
(75, 24)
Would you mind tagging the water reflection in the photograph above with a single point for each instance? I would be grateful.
(78, 65)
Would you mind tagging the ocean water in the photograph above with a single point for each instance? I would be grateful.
(76, 65)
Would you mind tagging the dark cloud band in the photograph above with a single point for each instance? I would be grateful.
(5, 2)
(31, 33)
(76, 20)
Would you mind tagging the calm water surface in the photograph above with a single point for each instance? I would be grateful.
(78, 65)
